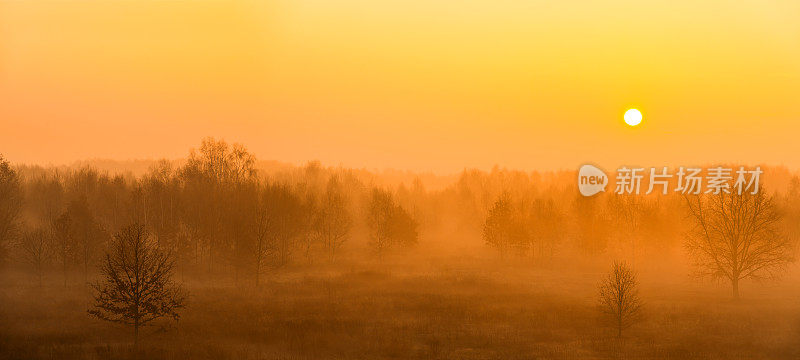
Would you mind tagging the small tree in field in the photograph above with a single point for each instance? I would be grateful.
(137, 287)
(738, 236)
(619, 297)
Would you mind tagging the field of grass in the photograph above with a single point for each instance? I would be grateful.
(371, 312)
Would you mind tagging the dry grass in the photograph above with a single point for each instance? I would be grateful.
(382, 314)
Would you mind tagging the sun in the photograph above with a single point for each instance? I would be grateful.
(633, 117)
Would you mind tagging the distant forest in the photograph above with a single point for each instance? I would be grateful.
(220, 214)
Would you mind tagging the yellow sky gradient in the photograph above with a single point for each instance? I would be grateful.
(420, 85)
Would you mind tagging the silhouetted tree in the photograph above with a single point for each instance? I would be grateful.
(737, 236)
(195, 212)
(791, 206)
(331, 220)
(211, 173)
(263, 224)
(504, 228)
(160, 196)
(626, 212)
(89, 238)
(403, 228)
(137, 286)
(241, 207)
(10, 205)
(310, 203)
(44, 197)
(591, 224)
(547, 226)
(389, 223)
(379, 215)
(619, 297)
(278, 222)
(36, 249)
(64, 243)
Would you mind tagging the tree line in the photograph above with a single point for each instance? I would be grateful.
(214, 214)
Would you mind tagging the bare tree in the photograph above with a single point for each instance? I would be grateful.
(307, 237)
(264, 223)
(619, 297)
(10, 204)
(63, 243)
(207, 179)
(44, 196)
(591, 224)
(137, 287)
(737, 236)
(89, 237)
(36, 249)
(332, 222)
(626, 213)
(379, 216)
(278, 222)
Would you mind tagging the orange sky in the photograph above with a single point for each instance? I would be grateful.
(413, 84)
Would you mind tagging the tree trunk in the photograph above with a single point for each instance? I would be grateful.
(136, 335)
(735, 285)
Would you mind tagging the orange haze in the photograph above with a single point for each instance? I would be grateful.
(414, 84)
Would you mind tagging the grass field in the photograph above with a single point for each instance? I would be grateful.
(391, 312)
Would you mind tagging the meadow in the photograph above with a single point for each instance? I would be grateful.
(315, 262)
(471, 308)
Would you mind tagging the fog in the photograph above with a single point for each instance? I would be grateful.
(223, 255)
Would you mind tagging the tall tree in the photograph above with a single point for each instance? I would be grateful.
(137, 286)
(87, 234)
(36, 249)
(10, 205)
(591, 224)
(211, 173)
(626, 212)
(332, 222)
(546, 226)
(241, 207)
(310, 203)
(379, 217)
(504, 228)
(44, 196)
(279, 220)
(619, 297)
(389, 223)
(159, 190)
(64, 243)
(403, 228)
(737, 236)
